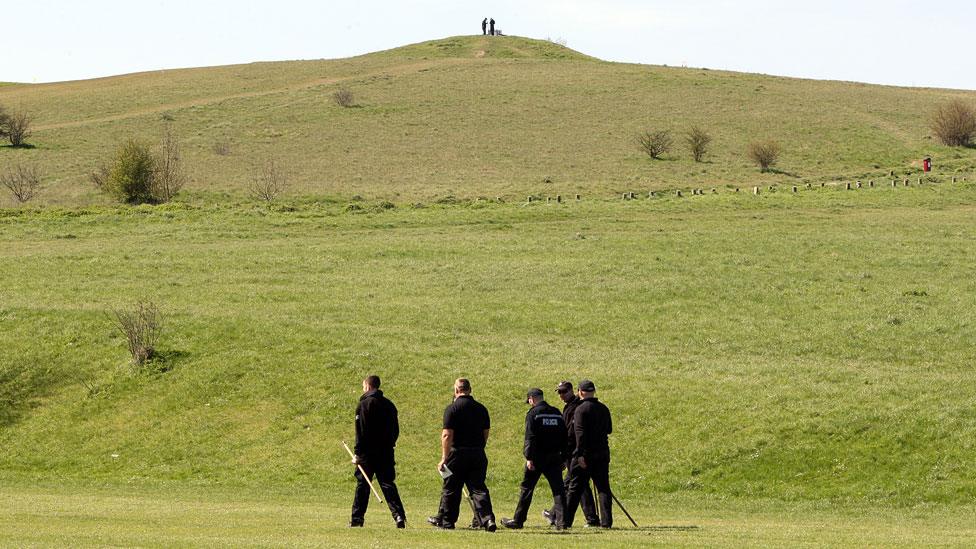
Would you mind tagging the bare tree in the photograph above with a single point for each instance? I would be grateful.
(17, 128)
(698, 140)
(654, 144)
(343, 97)
(141, 327)
(954, 123)
(23, 182)
(764, 153)
(169, 175)
(270, 182)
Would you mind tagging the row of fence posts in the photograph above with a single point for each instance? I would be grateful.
(755, 190)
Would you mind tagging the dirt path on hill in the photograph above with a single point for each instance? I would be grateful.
(399, 70)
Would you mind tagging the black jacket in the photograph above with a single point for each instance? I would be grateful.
(569, 410)
(377, 426)
(545, 433)
(593, 424)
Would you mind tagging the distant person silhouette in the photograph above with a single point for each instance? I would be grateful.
(491, 25)
(484, 26)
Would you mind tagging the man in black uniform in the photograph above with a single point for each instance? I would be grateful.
(571, 401)
(591, 459)
(491, 26)
(377, 430)
(545, 442)
(463, 459)
(484, 26)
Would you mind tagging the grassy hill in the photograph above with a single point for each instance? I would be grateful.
(475, 116)
(785, 369)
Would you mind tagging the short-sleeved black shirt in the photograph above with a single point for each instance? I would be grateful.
(469, 419)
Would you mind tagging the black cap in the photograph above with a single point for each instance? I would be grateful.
(533, 393)
(564, 386)
(587, 386)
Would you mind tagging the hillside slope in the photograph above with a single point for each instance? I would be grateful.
(474, 116)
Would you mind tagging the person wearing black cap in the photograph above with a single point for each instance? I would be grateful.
(377, 430)
(545, 442)
(571, 401)
(591, 458)
(491, 27)
(484, 26)
(463, 459)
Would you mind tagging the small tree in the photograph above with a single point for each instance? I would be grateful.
(130, 176)
(954, 123)
(169, 176)
(270, 182)
(654, 144)
(23, 182)
(764, 153)
(698, 140)
(141, 327)
(343, 97)
(17, 128)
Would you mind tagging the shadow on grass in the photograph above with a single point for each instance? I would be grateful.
(21, 385)
(22, 146)
(546, 531)
(164, 361)
(781, 172)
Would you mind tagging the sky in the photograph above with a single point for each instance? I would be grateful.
(897, 42)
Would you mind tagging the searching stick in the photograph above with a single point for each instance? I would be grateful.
(363, 472)
(622, 508)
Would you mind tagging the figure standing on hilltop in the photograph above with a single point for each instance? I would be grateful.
(484, 26)
(491, 26)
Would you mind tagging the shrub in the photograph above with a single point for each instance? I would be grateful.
(138, 175)
(141, 327)
(654, 144)
(168, 176)
(130, 176)
(764, 154)
(23, 182)
(221, 148)
(16, 127)
(270, 182)
(343, 97)
(698, 140)
(954, 123)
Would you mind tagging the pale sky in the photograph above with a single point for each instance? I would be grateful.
(900, 42)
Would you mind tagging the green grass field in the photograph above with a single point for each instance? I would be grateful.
(788, 369)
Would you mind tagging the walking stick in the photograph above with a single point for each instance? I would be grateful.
(363, 472)
(622, 508)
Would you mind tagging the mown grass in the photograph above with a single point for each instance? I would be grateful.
(473, 116)
(166, 517)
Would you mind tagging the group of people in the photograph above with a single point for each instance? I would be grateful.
(488, 27)
(574, 440)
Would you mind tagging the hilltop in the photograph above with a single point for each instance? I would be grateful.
(475, 116)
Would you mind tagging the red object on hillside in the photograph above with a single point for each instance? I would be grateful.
(927, 165)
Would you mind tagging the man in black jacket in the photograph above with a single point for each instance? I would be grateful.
(545, 442)
(377, 430)
(571, 401)
(591, 458)
(463, 459)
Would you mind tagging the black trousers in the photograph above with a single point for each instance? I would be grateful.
(597, 470)
(469, 468)
(553, 470)
(586, 501)
(384, 469)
